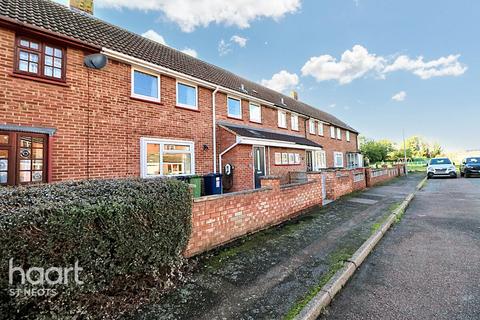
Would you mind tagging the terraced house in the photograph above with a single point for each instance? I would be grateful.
(150, 111)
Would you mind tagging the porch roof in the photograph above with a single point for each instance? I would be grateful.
(266, 136)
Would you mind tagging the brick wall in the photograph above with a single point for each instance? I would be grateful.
(376, 176)
(217, 220)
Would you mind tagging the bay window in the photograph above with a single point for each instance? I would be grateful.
(166, 158)
(145, 85)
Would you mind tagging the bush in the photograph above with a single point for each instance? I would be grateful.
(127, 235)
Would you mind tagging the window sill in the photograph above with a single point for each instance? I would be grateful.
(287, 165)
(257, 122)
(38, 79)
(186, 108)
(235, 118)
(146, 100)
(284, 128)
(297, 130)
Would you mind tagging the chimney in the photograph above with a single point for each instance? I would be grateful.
(82, 5)
(294, 94)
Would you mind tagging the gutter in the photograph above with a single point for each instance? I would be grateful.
(214, 129)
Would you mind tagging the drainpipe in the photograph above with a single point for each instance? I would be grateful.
(226, 150)
(214, 123)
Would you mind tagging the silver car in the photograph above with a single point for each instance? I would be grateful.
(441, 167)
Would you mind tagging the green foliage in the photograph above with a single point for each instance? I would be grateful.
(127, 235)
(385, 150)
(375, 151)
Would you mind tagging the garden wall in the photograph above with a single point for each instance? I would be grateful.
(219, 219)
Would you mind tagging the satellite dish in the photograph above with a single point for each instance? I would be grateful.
(95, 61)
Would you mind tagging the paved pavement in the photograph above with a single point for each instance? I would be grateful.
(263, 276)
(427, 266)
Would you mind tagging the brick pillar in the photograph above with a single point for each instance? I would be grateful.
(368, 177)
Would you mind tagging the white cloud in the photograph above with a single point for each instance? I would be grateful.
(352, 65)
(443, 66)
(190, 52)
(358, 62)
(242, 42)
(224, 48)
(190, 14)
(153, 35)
(281, 81)
(400, 96)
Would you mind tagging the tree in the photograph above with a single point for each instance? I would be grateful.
(375, 151)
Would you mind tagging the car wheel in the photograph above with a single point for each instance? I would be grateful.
(454, 176)
(429, 175)
(467, 175)
(462, 174)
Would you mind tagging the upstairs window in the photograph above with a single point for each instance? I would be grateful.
(339, 134)
(187, 96)
(38, 59)
(320, 129)
(234, 107)
(145, 86)
(347, 135)
(255, 113)
(282, 119)
(332, 132)
(294, 119)
(311, 126)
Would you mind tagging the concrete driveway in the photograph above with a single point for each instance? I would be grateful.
(428, 266)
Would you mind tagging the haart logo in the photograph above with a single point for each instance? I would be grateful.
(40, 281)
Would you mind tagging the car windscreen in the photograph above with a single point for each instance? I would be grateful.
(440, 161)
(475, 160)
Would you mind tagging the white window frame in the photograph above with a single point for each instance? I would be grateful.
(311, 126)
(347, 135)
(335, 156)
(143, 155)
(339, 134)
(332, 132)
(250, 105)
(285, 117)
(228, 111)
(191, 85)
(319, 160)
(294, 122)
(139, 96)
(320, 128)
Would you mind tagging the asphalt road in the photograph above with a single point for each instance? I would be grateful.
(427, 266)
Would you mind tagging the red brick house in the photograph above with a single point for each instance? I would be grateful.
(151, 111)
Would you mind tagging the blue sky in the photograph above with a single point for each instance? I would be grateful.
(407, 65)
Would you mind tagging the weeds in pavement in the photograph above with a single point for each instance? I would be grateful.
(336, 261)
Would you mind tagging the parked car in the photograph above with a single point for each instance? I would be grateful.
(470, 166)
(441, 167)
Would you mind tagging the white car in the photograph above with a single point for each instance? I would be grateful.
(441, 167)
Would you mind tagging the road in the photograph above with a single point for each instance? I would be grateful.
(427, 266)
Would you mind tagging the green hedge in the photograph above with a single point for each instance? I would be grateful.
(125, 234)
